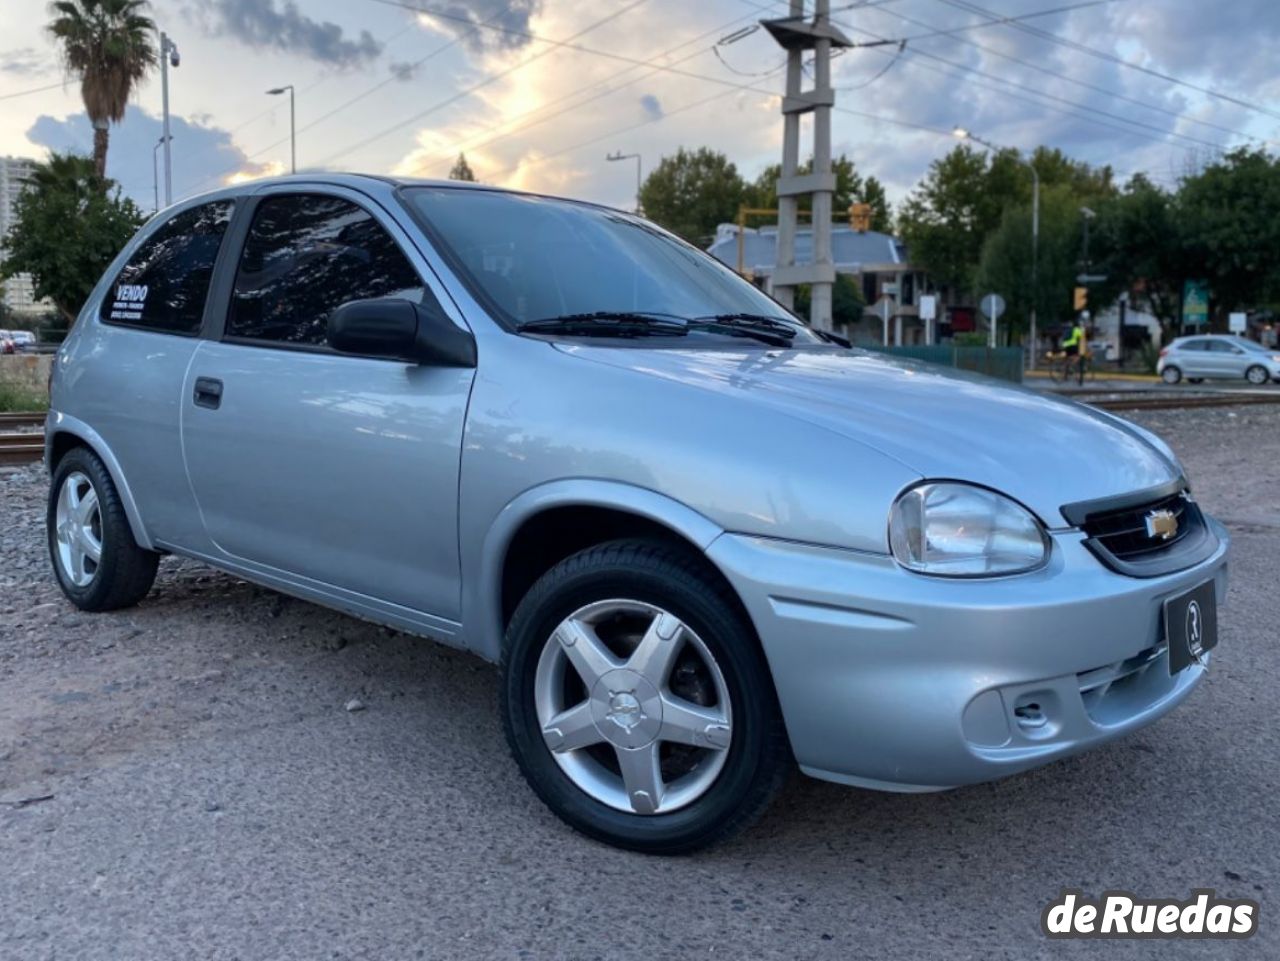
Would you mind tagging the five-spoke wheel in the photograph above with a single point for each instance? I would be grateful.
(637, 700)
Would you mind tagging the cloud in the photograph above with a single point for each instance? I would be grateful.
(484, 25)
(26, 62)
(203, 156)
(260, 24)
(403, 70)
(651, 107)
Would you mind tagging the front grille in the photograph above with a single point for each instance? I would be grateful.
(1117, 531)
(1124, 532)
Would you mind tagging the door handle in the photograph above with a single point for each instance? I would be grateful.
(208, 392)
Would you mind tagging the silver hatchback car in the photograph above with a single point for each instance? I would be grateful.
(1218, 356)
(703, 542)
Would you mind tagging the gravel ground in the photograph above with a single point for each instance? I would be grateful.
(191, 778)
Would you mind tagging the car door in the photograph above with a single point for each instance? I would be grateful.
(1193, 357)
(128, 362)
(1226, 359)
(340, 472)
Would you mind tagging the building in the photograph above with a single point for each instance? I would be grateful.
(890, 286)
(17, 293)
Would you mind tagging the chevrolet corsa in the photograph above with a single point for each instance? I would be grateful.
(704, 542)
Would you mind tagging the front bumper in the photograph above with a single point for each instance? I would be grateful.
(895, 681)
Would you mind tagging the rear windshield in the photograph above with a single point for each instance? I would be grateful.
(532, 258)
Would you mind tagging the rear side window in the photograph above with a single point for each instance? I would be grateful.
(1194, 345)
(307, 255)
(164, 285)
(1224, 347)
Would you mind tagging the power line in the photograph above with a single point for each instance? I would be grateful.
(1115, 95)
(471, 143)
(994, 20)
(27, 93)
(493, 78)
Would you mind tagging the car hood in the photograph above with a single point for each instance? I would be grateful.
(1043, 451)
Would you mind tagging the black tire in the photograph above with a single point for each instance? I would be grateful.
(125, 572)
(759, 756)
(1171, 375)
(1257, 375)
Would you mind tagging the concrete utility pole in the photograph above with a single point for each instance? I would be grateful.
(798, 36)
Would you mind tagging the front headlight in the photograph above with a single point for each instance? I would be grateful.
(957, 530)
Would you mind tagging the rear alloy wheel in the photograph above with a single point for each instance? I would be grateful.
(637, 701)
(98, 564)
(1171, 375)
(1257, 375)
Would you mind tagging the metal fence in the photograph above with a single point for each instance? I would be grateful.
(1002, 362)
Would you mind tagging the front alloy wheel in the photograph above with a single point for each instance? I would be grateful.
(637, 701)
(647, 732)
(1257, 375)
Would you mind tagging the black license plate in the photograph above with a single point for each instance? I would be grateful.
(1191, 625)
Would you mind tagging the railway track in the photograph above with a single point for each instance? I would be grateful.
(18, 445)
(1146, 401)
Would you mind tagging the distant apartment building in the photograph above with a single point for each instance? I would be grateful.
(16, 293)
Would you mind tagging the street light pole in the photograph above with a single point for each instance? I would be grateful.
(293, 137)
(619, 155)
(964, 134)
(168, 56)
(155, 173)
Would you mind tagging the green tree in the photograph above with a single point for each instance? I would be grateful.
(850, 188)
(68, 225)
(107, 44)
(462, 170)
(692, 193)
(1230, 219)
(961, 202)
(1006, 260)
(1137, 243)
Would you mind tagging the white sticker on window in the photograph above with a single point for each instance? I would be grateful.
(130, 299)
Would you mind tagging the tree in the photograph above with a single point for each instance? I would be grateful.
(107, 45)
(850, 188)
(692, 193)
(68, 225)
(1137, 243)
(462, 170)
(1006, 258)
(1230, 219)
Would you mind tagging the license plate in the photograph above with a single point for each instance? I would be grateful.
(1191, 625)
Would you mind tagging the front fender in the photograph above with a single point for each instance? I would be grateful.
(58, 423)
(482, 589)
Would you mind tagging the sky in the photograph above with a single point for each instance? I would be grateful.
(538, 92)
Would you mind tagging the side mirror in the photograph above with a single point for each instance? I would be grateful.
(406, 330)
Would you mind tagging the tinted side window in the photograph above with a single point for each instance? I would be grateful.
(306, 255)
(164, 284)
(1194, 345)
(1224, 347)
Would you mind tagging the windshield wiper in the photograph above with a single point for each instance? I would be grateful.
(770, 330)
(609, 323)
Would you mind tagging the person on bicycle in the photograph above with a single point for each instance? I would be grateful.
(1075, 345)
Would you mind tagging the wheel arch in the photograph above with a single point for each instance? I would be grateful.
(63, 434)
(545, 524)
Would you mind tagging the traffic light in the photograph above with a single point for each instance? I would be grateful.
(1081, 298)
(860, 217)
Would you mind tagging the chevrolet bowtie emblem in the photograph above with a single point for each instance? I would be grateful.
(1162, 525)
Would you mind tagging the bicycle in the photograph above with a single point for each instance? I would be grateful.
(1063, 366)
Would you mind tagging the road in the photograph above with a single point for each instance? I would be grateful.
(210, 796)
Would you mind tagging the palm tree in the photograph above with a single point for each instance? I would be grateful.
(108, 45)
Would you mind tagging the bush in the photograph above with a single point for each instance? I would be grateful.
(14, 397)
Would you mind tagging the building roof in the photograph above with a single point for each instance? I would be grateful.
(851, 250)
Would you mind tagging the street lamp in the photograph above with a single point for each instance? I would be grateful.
(619, 155)
(293, 138)
(168, 56)
(964, 134)
(155, 175)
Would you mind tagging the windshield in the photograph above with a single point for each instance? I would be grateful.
(533, 258)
